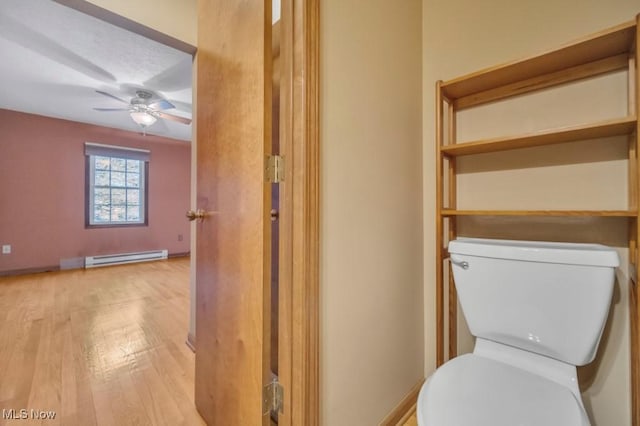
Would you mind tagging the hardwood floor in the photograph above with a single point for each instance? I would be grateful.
(98, 347)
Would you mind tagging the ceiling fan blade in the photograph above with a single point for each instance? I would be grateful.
(19, 33)
(181, 106)
(111, 109)
(177, 77)
(182, 120)
(160, 127)
(112, 96)
(161, 104)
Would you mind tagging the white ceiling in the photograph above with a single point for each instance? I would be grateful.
(54, 58)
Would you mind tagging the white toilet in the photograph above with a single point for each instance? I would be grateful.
(537, 311)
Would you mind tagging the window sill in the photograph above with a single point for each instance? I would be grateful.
(115, 225)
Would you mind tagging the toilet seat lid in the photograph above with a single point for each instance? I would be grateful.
(478, 391)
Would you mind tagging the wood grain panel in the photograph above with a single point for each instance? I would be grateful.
(233, 266)
(616, 127)
(439, 229)
(558, 213)
(453, 202)
(576, 73)
(300, 198)
(609, 42)
(634, 254)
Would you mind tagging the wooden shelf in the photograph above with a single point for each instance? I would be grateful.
(608, 43)
(603, 129)
(557, 213)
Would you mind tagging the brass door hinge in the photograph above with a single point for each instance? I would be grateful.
(273, 398)
(275, 169)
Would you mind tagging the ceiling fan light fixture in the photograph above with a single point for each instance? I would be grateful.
(143, 118)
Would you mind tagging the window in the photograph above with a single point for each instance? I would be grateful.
(116, 187)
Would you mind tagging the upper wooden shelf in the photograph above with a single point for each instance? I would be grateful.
(609, 43)
(558, 213)
(602, 129)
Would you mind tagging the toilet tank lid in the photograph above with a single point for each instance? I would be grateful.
(537, 251)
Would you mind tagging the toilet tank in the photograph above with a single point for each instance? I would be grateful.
(548, 298)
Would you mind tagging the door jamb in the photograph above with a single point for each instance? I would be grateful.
(300, 206)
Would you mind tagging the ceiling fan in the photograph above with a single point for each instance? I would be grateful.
(145, 110)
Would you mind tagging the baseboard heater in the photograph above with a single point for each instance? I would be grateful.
(123, 258)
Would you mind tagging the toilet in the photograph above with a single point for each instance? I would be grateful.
(537, 310)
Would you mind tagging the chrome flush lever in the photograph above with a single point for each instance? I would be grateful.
(457, 261)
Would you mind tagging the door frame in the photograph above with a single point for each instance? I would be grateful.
(299, 364)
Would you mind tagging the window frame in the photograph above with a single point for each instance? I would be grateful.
(92, 150)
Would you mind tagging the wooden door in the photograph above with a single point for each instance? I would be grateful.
(233, 239)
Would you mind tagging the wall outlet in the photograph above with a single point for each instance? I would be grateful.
(6, 249)
(179, 237)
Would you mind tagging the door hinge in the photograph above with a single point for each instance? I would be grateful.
(273, 398)
(275, 169)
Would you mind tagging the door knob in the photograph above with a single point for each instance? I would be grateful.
(198, 214)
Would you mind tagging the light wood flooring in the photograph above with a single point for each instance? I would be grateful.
(99, 347)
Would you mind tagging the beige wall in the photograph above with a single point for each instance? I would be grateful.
(371, 256)
(178, 19)
(461, 36)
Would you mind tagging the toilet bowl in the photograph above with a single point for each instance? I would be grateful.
(537, 311)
